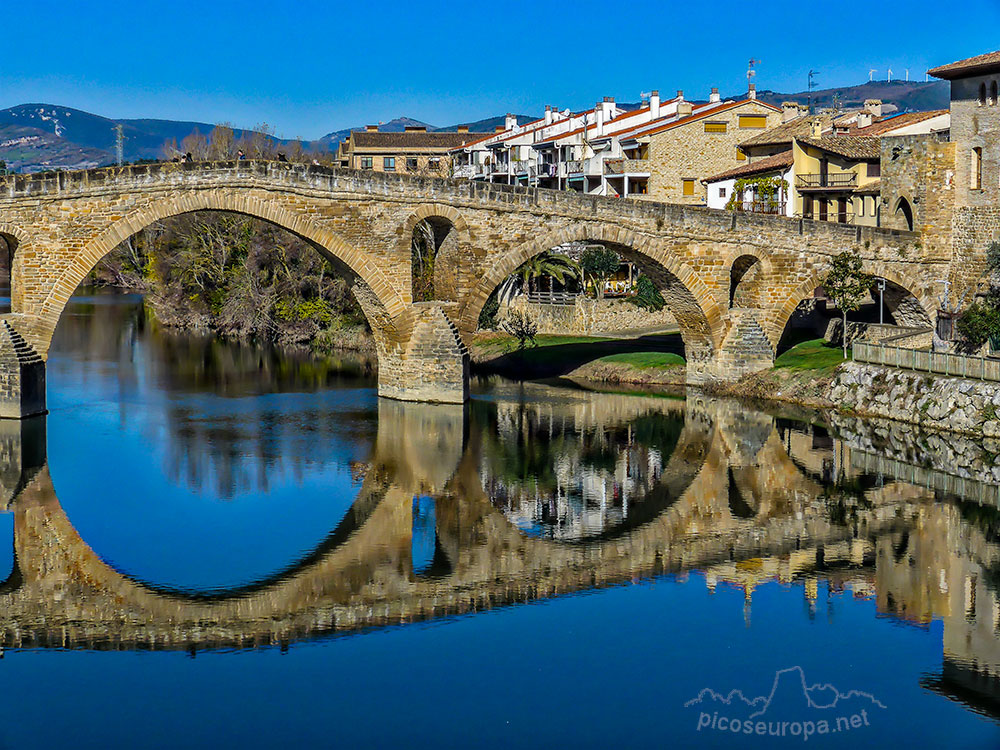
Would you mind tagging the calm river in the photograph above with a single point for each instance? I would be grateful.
(209, 545)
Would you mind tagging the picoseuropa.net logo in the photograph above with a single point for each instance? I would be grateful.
(792, 710)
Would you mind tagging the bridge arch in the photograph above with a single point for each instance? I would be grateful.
(451, 236)
(748, 269)
(377, 297)
(919, 307)
(690, 300)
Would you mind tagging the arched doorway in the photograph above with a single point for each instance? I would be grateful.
(904, 214)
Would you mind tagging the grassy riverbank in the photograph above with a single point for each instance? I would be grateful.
(800, 375)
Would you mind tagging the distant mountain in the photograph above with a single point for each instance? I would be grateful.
(36, 137)
(909, 96)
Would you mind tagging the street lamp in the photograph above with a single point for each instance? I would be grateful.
(881, 302)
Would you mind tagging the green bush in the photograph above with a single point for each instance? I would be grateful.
(647, 296)
(979, 323)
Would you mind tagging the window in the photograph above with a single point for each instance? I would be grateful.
(976, 171)
(715, 127)
(434, 163)
(722, 192)
(862, 211)
(688, 187)
(993, 93)
(757, 122)
(982, 95)
(740, 156)
(874, 169)
(366, 162)
(389, 163)
(411, 163)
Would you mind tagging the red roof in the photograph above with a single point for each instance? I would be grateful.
(697, 115)
(770, 164)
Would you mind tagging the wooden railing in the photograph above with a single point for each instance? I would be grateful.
(552, 298)
(838, 180)
(889, 353)
(774, 208)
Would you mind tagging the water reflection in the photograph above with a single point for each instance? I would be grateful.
(333, 512)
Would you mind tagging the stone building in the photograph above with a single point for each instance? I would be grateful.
(414, 151)
(700, 144)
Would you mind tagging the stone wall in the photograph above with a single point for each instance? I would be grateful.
(588, 316)
(942, 403)
(920, 169)
(688, 152)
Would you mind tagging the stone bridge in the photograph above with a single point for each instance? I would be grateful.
(731, 280)
(63, 594)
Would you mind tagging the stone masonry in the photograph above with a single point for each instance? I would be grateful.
(61, 225)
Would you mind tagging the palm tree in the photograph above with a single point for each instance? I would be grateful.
(556, 266)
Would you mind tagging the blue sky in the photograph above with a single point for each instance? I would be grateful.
(312, 67)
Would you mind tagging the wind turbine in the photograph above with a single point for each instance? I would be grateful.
(907, 74)
(871, 74)
(890, 76)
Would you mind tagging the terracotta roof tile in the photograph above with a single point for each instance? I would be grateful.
(781, 134)
(848, 146)
(770, 164)
(872, 188)
(888, 124)
(968, 67)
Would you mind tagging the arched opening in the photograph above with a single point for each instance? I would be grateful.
(982, 94)
(993, 93)
(432, 238)
(904, 214)
(745, 277)
(813, 315)
(360, 275)
(643, 266)
(7, 246)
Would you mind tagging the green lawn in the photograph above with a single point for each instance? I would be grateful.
(810, 355)
(509, 342)
(645, 360)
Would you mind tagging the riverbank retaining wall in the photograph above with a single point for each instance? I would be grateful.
(958, 405)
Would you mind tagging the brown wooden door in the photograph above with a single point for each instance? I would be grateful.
(842, 210)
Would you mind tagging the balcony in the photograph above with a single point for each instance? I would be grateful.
(839, 181)
(626, 166)
(773, 208)
(465, 172)
(574, 167)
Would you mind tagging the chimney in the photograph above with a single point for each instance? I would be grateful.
(600, 119)
(371, 128)
(864, 119)
(874, 107)
(608, 107)
(415, 129)
(463, 128)
(714, 97)
(680, 94)
(654, 105)
(509, 122)
(790, 111)
(684, 109)
(816, 128)
(548, 114)
(752, 93)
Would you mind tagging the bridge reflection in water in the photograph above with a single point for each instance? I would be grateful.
(544, 492)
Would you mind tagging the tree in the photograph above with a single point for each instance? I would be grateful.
(195, 144)
(599, 263)
(521, 327)
(555, 266)
(980, 322)
(220, 142)
(647, 296)
(847, 285)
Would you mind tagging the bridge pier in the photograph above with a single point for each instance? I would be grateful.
(746, 349)
(22, 376)
(431, 365)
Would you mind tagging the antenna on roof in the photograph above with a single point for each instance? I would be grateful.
(751, 72)
(811, 87)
